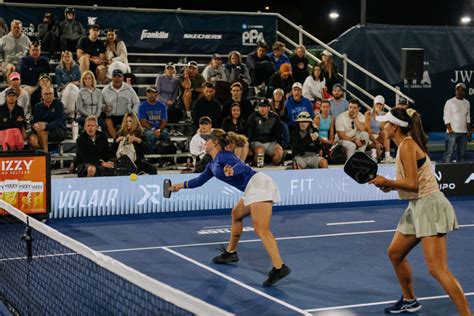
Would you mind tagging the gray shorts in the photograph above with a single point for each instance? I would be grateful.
(428, 216)
(308, 161)
(269, 147)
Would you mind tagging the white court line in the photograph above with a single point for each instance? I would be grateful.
(258, 240)
(427, 298)
(222, 275)
(350, 223)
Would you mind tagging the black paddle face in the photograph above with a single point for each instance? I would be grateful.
(361, 167)
(166, 188)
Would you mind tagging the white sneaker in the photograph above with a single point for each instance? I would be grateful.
(388, 159)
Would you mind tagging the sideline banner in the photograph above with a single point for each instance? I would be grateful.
(455, 178)
(80, 197)
(162, 32)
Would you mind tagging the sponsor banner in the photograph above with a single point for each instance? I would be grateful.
(25, 181)
(163, 32)
(80, 197)
(456, 178)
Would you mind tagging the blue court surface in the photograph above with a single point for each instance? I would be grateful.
(337, 256)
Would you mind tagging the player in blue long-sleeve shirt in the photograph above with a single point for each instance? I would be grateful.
(260, 192)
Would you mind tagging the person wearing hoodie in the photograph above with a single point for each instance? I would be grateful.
(13, 46)
(296, 104)
(197, 144)
(118, 98)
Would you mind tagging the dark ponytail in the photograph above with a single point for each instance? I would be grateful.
(415, 126)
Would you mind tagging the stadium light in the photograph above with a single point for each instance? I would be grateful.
(267, 8)
(465, 20)
(333, 15)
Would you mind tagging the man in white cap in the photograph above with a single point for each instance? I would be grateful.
(296, 104)
(457, 118)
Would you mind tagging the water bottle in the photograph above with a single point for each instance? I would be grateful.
(260, 160)
(75, 130)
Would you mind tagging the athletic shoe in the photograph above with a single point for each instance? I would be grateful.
(388, 159)
(225, 256)
(276, 275)
(403, 306)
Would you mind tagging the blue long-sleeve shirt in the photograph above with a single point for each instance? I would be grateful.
(31, 68)
(294, 108)
(53, 115)
(215, 168)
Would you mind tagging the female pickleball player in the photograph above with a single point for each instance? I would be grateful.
(260, 192)
(428, 217)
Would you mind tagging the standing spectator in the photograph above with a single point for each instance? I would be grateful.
(93, 155)
(278, 106)
(350, 128)
(197, 144)
(153, 117)
(191, 83)
(70, 30)
(236, 71)
(325, 123)
(91, 54)
(260, 65)
(32, 66)
(457, 118)
(306, 147)
(89, 101)
(377, 138)
(116, 54)
(118, 99)
(282, 79)
(3, 27)
(329, 68)
(314, 84)
(263, 128)
(44, 81)
(338, 103)
(215, 73)
(49, 123)
(278, 55)
(207, 105)
(167, 87)
(48, 34)
(23, 98)
(299, 64)
(296, 104)
(131, 132)
(68, 76)
(12, 122)
(246, 107)
(13, 47)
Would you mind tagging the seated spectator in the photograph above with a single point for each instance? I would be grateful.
(314, 84)
(12, 122)
(282, 79)
(49, 122)
(13, 47)
(402, 103)
(70, 31)
(89, 101)
(374, 128)
(91, 54)
(278, 55)
(236, 71)
(350, 128)
(68, 76)
(131, 132)
(118, 98)
(329, 68)
(306, 147)
(215, 73)
(325, 123)
(93, 155)
(278, 106)
(3, 27)
(234, 122)
(44, 81)
(153, 117)
(32, 66)
(48, 34)
(238, 144)
(167, 87)
(191, 84)
(338, 103)
(197, 144)
(263, 128)
(299, 64)
(260, 65)
(296, 104)
(207, 105)
(116, 54)
(23, 98)
(246, 107)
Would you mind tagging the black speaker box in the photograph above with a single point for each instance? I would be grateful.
(412, 63)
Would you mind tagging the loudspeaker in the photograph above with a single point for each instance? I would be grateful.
(412, 63)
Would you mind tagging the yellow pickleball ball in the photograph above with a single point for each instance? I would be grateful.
(133, 177)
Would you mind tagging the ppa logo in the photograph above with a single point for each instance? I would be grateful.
(252, 37)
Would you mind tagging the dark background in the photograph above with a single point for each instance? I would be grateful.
(313, 14)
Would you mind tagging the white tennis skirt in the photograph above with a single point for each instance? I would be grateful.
(261, 188)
